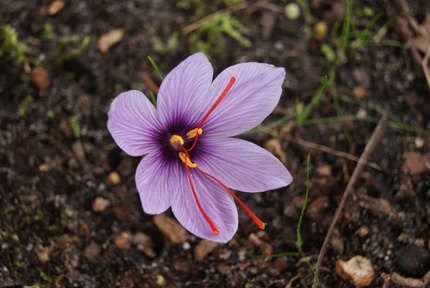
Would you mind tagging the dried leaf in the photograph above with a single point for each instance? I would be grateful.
(41, 78)
(358, 269)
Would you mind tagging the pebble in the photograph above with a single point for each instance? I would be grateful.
(323, 171)
(223, 268)
(171, 229)
(292, 11)
(358, 269)
(92, 251)
(100, 204)
(265, 247)
(320, 31)
(55, 7)
(414, 260)
(203, 249)
(359, 92)
(280, 264)
(44, 254)
(123, 240)
(363, 231)
(113, 178)
(109, 39)
(317, 207)
(184, 265)
(336, 242)
(144, 243)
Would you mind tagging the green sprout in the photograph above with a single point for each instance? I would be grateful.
(75, 126)
(11, 45)
(47, 32)
(25, 105)
(210, 39)
(170, 46)
(214, 25)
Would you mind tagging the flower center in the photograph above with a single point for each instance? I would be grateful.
(177, 142)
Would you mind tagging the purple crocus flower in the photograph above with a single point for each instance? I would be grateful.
(190, 160)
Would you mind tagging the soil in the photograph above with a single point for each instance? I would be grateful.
(70, 212)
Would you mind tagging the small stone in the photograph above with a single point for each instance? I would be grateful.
(362, 113)
(294, 207)
(203, 249)
(274, 147)
(359, 92)
(184, 265)
(361, 76)
(92, 251)
(44, 167)
(265, 247)
(420, 242)
(292, 11)
(317, 207)
(320, 31)
(113, 178)
(337, 242)
(414, 260)
(358, 269)
(323, 171)
(44, 254)
(419, 142)
(109, 39)
(280, 264)
(144, 243)
(55, 7)
(79, 151)
(415, 162)
(171, 229)
(223, 268)
(123, 240)
(363, 231)
(100, 204)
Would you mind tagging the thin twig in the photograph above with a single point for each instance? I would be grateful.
(425, 66)
(368, 150)
(331, 151)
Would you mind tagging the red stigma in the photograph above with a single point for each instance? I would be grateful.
(185, 157)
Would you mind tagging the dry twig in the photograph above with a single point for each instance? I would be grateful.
(331, 151)
(368, 150)
(426, 67)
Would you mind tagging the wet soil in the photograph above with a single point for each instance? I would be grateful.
(70, 212)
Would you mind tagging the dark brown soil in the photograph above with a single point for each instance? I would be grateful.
(67, 221)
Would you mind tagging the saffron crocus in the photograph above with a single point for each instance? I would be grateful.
(190, 161)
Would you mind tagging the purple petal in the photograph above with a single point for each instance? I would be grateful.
(252, 98)
(216, 202)
(183, 92)
(242, 165)
(133, 123)
(157, 181)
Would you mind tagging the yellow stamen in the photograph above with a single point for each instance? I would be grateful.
(177, 138)
(193, 133)
(186, 159)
